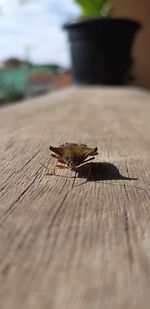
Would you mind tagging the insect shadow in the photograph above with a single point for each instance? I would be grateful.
(101, 171)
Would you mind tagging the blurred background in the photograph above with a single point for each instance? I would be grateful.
(34, 50)
(138, 10)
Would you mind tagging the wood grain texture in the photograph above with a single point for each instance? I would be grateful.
(87, 246)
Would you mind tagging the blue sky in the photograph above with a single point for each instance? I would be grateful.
(34, 30)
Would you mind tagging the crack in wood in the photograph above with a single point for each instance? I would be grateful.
(11, 207)
(127, 233)
(17, 172)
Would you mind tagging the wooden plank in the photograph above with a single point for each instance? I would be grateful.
(87, 246)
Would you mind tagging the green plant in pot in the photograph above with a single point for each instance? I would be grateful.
(100, 45)
(95, 8)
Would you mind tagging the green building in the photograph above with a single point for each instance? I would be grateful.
(16, 83)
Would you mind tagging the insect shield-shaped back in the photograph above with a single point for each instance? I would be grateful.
(73, 154)
(56, 150)
(94, 152)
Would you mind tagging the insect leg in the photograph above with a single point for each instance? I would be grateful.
(54, 156)
(62, 166)
(89, 168)
(58, 158)
(84, 163)
(57, 166)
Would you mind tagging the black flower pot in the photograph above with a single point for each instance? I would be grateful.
(101, 49)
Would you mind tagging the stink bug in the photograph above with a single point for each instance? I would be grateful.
(72, 156)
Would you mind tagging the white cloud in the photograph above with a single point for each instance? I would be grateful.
(38, 26)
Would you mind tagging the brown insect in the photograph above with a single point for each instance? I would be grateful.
(72, 156)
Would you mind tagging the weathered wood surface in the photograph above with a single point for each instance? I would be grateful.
(86, 247)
